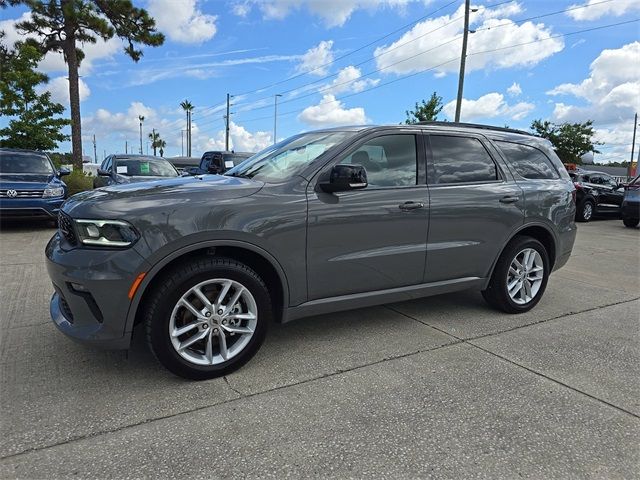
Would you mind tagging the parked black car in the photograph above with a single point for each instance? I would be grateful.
(117, 169)
(219, 162)
(596, 193)
(631, 203)
(184, 163)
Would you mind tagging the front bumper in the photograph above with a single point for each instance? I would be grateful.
(91, 303)
(30, 207)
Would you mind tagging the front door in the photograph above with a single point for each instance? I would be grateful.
(374, 238)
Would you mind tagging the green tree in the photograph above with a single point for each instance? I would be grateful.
(157, 143)
(188, 107)
(36, 123)
(570, 140)
(64, 25)
(426, 112)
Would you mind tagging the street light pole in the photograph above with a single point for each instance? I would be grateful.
(141, 118)
(275, 118)
(633, 145)
(226, 133)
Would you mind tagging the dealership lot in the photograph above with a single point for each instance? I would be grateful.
(442, 386)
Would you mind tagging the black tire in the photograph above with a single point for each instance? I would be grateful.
(631, 222)
(497, 294)
(585, 211)
(170, 288)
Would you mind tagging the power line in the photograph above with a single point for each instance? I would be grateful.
(601, 27)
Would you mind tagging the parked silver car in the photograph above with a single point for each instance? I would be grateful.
(323, 221)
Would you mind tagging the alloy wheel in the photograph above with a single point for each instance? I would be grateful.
(213, 321)
(525, 276)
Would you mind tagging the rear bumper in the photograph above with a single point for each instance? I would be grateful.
(30, 207)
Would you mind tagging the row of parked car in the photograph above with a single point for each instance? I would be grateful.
(30, 185)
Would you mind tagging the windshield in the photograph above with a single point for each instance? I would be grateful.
(24, 163)
(285, 159)
(145, 167)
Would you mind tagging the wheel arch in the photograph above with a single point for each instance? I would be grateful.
(253, 256)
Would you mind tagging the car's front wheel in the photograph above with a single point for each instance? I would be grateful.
(207, 318)
(631, 222)
(520, 277)
(585, 211)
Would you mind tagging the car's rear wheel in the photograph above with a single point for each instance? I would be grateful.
(207, 318)
(585, 211)
(631, 222)
(520, 276)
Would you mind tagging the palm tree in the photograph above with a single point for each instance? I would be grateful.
(188, 107)
(157, 142)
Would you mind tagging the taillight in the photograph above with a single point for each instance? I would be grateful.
(578, 185)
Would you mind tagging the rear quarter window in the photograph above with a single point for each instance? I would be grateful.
(527, 161)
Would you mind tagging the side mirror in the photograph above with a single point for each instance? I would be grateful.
(192, 171)
(345, 177)
(103, 173)
(213, 168)
(63, 171)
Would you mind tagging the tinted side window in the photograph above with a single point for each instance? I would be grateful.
(528, 161)
(461, 160)
(390, 160)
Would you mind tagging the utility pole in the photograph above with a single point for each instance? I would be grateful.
(126, 147)
(463, 57)
(226, 136)
(95, 152)
(275, 118)
(141, 118)
(633, 145)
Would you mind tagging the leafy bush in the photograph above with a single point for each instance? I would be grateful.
(78, 181)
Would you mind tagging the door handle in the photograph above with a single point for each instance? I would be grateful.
(411, 205)
(509, 199)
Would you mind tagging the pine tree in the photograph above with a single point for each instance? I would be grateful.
(427, 112)
(64, 25)
(35, 120)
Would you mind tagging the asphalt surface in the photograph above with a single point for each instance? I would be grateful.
(441, 387)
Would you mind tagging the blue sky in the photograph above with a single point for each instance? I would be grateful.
(244, 47)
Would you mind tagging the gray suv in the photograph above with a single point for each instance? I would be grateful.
(323, 221)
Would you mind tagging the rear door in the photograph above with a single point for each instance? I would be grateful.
(374, 238)
(475, 206)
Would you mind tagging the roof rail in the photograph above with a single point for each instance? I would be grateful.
(477, 125)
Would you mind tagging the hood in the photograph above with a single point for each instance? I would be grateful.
(142, 198)
(141, 178)
(27, 180)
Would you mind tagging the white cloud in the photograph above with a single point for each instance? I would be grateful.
(596, 9)
(490, 105)
(182, 20)
(493, 32)
(331, 112)
(334, 13)
(240, 139)
(609, 96)
(514, 90)
(347, 81)
(315, 58)
(59, 88)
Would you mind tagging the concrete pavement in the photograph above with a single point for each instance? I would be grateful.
(442, 387)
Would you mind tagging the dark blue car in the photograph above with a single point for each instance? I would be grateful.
(30, 185)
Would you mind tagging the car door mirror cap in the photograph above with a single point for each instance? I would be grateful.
(63, 171)
(344, 178)
(103, 173)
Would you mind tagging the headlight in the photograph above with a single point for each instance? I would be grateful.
(106, 233)
(53, 191)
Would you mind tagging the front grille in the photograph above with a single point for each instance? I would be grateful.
(11, 193)
(65, 224)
